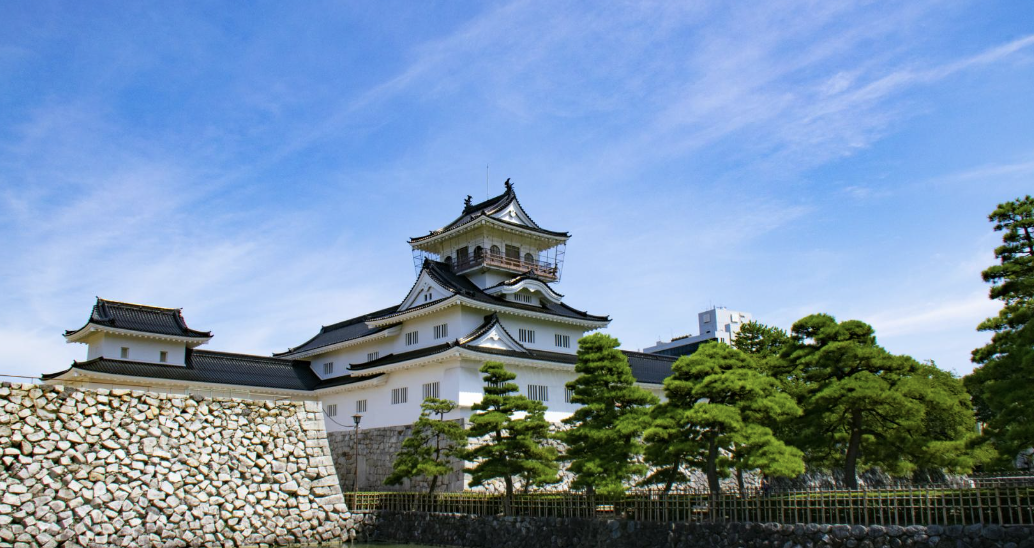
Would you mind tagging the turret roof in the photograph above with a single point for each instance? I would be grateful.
(495, 204)
(142, 318)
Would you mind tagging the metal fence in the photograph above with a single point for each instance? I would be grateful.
(1004, 505)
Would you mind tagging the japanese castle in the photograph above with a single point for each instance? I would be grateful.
(483, 291)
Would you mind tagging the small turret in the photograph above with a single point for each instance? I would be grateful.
(494, 240)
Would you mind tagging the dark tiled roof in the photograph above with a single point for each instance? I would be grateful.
(206, 366)
(138, 317)
(529, 275)
(342, 331)
(345, 380)
(486, 208)
(389, 359)
(649, 368)
(461, 285)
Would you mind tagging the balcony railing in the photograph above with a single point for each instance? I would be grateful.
(539, 268)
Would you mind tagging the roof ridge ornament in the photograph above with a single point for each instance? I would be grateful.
(468, 201)
(508, 185)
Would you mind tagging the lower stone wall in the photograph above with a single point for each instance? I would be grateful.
(520, 532)
(120, 468)
(377, 450)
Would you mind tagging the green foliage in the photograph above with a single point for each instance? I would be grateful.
(867, 407)
(716, 417)
(603, 441)
(431, 446)
(760, 340)
(517, 430)
(1001, 385)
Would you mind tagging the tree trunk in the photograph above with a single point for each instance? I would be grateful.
(712, 477)
(854, 448)
(671, 478)
(434, 483)
(508, 499)
(739, 482)
(712, 468)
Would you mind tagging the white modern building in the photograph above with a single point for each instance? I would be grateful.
(717, 324)
(484, 290)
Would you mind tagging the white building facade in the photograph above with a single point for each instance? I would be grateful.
(484, 291)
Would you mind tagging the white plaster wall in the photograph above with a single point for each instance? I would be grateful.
(380, 411)
(544, 332)
(110, 345)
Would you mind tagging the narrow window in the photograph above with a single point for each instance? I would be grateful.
(569, 395)
(522, 298)
(526, 335)
(360, 406)
(332, 410)
(413, 337)
(432, 390)
(328, 368)
(399, 395)
(370, 356)
(124, 353)
(563, 341)
(538, 392)
(163, 356)
(441, 331)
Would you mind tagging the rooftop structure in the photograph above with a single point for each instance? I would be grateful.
(717, 324)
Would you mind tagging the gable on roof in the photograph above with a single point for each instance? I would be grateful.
(426, 289)
(492, 334)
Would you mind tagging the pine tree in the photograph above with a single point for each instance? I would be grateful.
(717, 410)
(604, 439)
(864, 406)
(517, 435)
(1001, 384)
(430, 447)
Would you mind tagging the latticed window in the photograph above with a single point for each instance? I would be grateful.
(569, 395)
(563, 341)
(432, 390)
(370, 356)
(538, 392)
(526, 335)
(441, 331)
(332, 410)
(413, 337)
(328, 368)
(360, 406)
(399, 395)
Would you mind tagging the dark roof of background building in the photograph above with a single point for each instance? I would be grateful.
(649, 368)
(142, 318)
(206, 366)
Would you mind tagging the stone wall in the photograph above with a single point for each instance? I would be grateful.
(121, 468)
(501, 532)
(377, 450)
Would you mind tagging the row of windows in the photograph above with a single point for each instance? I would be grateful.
(163, 356)
(512, 252)
(331, 410)
(540, 392)
(441, 331)
(537, 392)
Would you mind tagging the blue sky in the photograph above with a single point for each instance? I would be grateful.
(262, 165)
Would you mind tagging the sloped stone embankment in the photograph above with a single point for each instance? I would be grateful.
(121, 468)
